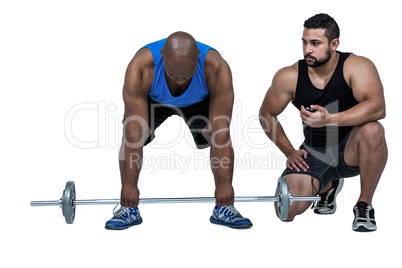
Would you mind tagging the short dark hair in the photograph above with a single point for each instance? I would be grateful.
(323, 21)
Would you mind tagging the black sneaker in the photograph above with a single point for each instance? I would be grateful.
(364, 218)
(327, 204)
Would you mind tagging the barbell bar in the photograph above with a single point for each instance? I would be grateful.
(68, 201)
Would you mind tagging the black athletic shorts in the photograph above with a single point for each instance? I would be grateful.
(326, 164)
(196, 117)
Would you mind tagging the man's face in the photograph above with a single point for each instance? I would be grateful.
(316, 48)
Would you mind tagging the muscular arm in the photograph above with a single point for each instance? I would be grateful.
(138, 81)
(362, 76)
(276, 99)
(219, 81)
(367, 90)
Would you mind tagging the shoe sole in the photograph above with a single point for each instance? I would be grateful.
(245, 226)
(329, 212)
(361, 228)
(139, 221)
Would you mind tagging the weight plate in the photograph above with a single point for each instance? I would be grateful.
(67, 202)
(284, 198)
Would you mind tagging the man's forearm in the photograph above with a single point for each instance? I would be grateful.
(222, 161)
(273, 129)
(131, 165)
(359, 114)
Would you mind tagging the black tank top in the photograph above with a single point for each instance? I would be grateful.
(336, 97)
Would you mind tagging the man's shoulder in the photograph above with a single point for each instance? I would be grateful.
(287, 75)
(214, 60)
(143, 59)
(354, 61)
(357, 65)
(285, 81)
(216, 69)
(289, 72)
(140, 72)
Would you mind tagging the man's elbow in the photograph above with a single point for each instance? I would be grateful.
(221, 138)
(381, 113)
(134, 138)
(265, 118)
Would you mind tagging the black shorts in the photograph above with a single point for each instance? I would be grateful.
(326, 164)
(196, 117)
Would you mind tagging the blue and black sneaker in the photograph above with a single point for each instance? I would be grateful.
(229, 216)
(123, 218)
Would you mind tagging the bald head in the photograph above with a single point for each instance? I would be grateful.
(180, 44)
(180, 54)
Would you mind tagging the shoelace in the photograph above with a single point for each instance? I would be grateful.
(120, 211)
(367, 213)
(326, 196)
(324, 199)
(363, 214)
(233, 211)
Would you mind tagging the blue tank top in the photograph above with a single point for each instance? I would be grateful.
(196, 91)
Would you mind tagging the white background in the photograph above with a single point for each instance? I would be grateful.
(58, 57)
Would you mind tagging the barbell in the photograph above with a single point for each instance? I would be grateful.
(68, 201)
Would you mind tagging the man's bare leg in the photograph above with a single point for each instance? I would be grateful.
(300, 185)
(367, 148)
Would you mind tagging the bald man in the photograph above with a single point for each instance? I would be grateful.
(178, 76)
